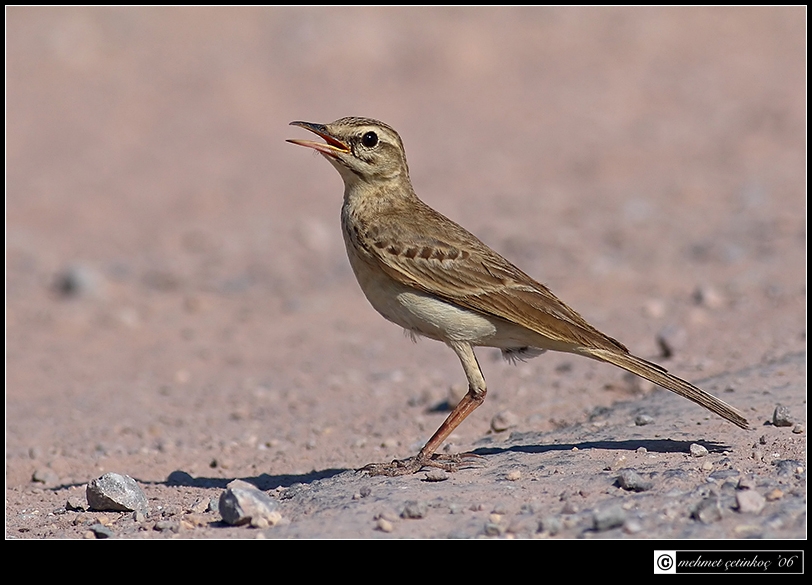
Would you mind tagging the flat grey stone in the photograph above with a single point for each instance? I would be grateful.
(117, 493)
(242, 503)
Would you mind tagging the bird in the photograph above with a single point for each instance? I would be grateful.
(432, 277)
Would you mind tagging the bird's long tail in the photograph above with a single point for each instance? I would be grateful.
(661, 377)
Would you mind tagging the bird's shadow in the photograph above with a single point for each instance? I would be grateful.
(268, 482)
(263, 482)
(651, 445)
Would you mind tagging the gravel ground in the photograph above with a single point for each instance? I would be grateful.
(180, 310)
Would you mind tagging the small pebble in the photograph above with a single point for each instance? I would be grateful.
(775, 494)
(200, 505)
(104, 520)
(698, 450)
(139, 516)
(514, 475)
(492, 529)
(798, 429)
(750, 501)
(101, 531)
(643, 419)
(564, 368)
(782, 417)
(414, 510)
(77, 502)
(46, 476)
(631, 481)
(387, 515)
(83, 519)
(608, 518)
(550, 524)
(749, 531)
(384, 525)
(79, 280)
(434, 475)
(708, 510)
(167, 526)
(619, 462)
(504, 420)
(242, 503)
(632, 526)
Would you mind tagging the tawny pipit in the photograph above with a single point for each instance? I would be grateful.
(427, 274)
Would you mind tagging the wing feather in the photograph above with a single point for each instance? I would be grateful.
(457, 267)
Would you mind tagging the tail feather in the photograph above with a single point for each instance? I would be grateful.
(661, 377)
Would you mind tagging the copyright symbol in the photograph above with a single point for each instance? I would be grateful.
(665, 562)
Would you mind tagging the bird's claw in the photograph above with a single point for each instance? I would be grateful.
(414, 464)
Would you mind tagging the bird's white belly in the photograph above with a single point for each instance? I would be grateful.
(432, 317)
(419, 312)
(438, 319)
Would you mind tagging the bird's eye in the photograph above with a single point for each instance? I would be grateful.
(369, 139)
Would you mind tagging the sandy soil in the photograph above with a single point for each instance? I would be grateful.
(179, 307)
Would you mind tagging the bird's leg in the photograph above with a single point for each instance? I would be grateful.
(469, 403)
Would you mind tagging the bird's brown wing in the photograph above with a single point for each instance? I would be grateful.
(443, 259)
(453, 265)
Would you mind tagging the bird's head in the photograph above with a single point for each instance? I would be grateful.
(361, 149)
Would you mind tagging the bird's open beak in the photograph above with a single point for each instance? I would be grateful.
(332, 146)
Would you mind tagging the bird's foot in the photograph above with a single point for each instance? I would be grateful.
(414, 464)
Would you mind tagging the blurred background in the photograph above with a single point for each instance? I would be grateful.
(175, 273)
